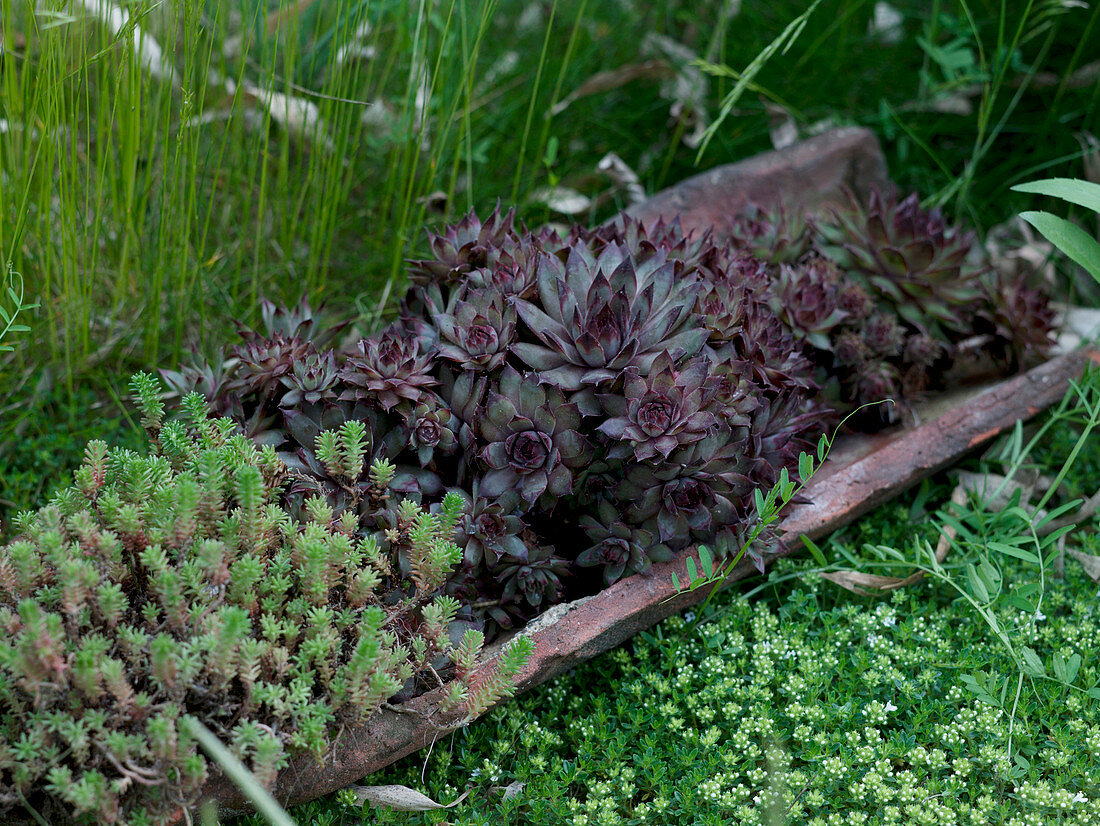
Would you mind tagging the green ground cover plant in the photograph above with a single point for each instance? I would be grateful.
(168, 593)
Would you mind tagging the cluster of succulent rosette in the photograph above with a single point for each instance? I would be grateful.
(608, 397)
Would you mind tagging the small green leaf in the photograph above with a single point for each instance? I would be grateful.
(1017, 601)
(676, 583)
(1074, 190)
(1077, 244)
(1059, 664)
(805, 466)
(706, 559)
(815, 551)
(1013, 551)
(1073, 665)
(822, 448)
(692, 572)
(1033, 666)
(977, 586)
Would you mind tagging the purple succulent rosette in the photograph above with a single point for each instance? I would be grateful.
(692, 494)
(619, 547)
(312, 380)
(533, 575)
(532, 439)
(664, 411)
(600, 315)
(430, 429)
(489, 531)
(805, 298)
(477, 330)
(908, 256)
(389, 368)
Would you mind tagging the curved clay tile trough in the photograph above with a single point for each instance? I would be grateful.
(862, 472)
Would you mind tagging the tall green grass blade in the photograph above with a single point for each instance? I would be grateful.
(1076, 191)
(241, 777)
(781, 44)
(1077, 244)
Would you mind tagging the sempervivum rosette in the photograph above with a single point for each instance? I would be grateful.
(910, 257)
(389, 368)
(618, 547)
(666, 410)
(476, 330)
(599, 315)
(532, 440)
(466, 246)
(692, 494)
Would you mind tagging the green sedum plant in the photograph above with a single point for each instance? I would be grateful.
(173, 586)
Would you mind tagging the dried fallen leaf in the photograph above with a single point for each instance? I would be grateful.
(511, 791)
(624, 178)
(297, 115)
(401, 798)
(994, 490)
(614, 79)
(562, 199)
(1090, 563)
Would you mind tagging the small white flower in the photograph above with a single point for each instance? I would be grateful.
(890, 707)
(1080, 798)
(1039, 616)
(689, 616)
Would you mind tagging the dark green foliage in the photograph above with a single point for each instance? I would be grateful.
(175, 584)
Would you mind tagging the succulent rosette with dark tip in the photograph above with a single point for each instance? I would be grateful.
(922, 350)
(599, 315)
(788, 425)
(910, 257)
(477, 330)
(645, 240)
(693, 493)
(469, 245)
(429, 429)
(488, 531)
(312, 380)
(263, 363)
(805, 298)
(661, 412)
(1021, 320)
(619, 547)
(736, 395)
(532, 576)
(778, 236)
(532, 439)
(301, 322)
(722, 305)
(388, 368)
(883, 335)
(875, 381)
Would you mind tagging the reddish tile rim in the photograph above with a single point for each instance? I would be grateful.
(583, 629)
